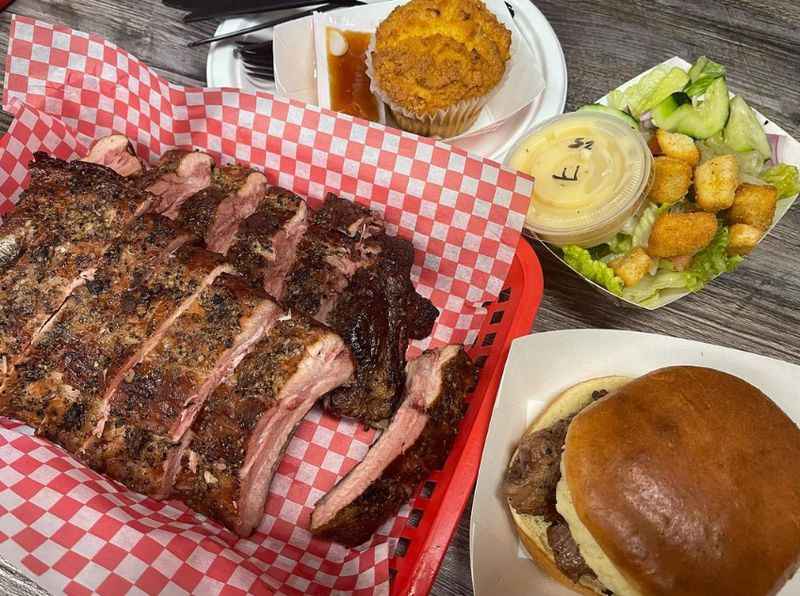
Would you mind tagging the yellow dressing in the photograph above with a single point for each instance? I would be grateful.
(591, 174)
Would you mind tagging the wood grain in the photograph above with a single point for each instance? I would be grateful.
(605, 42)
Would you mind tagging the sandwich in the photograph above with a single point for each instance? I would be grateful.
(685, 481)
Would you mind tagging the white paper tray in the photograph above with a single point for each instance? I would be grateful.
(788, 152)
(538, 368)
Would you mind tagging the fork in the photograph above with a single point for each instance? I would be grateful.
(256, 56)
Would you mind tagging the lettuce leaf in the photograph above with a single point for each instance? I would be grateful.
(785, 178)
(595, 270)
(702, 74)
(620, 244)
(750, 162)
(744, 130)
(616, 100)
(710, 262)
(675, 80)
(636, 96)
(643, 227)
(650, 286)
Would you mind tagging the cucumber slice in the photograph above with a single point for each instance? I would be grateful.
(596, 107)
(744, 131)
(701, 121)
(675, 80)
(663, 111)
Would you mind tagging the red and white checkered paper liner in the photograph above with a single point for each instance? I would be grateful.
(74, 531)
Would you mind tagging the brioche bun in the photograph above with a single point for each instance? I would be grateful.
(687, 481)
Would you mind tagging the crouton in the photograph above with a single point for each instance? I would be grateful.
(679, 146)
(754, 205)
(671, 181)
(715, 183)
(742, 238)
(678, 234)
(632, 267)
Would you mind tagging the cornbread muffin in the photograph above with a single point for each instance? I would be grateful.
(435, 63)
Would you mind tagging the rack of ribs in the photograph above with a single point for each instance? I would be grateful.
(172, 328)
(336, 265)
(415, 443)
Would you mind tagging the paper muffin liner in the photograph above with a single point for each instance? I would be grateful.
(444, 123)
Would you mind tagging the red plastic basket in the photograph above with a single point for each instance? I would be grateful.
(438, 504)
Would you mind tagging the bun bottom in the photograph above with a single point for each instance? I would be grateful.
(544, 560)
(532, 530)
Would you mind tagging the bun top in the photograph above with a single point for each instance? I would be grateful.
(689, 480)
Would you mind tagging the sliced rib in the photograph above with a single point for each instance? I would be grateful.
(80, 208)
(187, 273)
(348, 218)
(115, 152)
(216, 212)
(370, 317)
(241, 434)
(58, 385)
(178, 175)
(324, 264)
(78, 371)
(89, 332)
(415, 443)
(264, 246)
(372, 314)
(205, 344)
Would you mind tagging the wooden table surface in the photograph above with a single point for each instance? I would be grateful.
(606, 42)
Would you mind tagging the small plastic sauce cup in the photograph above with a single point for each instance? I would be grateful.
(592, 173)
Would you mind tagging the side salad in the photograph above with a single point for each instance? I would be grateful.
(716, 186)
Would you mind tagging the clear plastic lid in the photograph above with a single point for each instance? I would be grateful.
(592, 172)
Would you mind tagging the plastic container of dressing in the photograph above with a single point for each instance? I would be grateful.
(592, 173)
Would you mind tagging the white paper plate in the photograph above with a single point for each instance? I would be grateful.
(542, 365)
(223, 69)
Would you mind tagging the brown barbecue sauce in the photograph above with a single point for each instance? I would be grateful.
(349, 82)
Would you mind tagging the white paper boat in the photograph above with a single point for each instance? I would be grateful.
(542, 365)
(788, 151)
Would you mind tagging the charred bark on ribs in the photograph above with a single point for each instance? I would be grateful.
(360, 286)
(69, 215)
